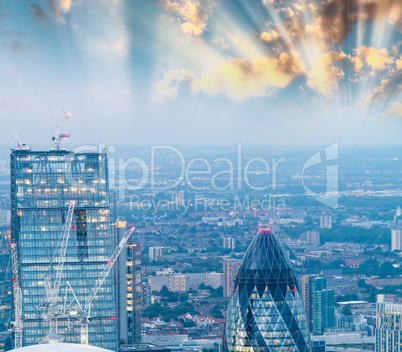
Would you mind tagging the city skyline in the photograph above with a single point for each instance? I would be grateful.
(202, 72)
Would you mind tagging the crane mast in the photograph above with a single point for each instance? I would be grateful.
(85, 316)
(60, 133)
(17, 324)
(52, 293)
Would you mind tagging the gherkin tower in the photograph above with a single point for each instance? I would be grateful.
(265, 311)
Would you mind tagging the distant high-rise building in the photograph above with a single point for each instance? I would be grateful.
(309, 285)
(155, 253)
(178, 283)
(323, 310)
(229, 242)
(230, 268)
(326, 221)
(214, 279)
(42, 185)
(179, 198)
(396, 239)
(306, 293)
(313, 237)
(157, 282)
(388, 326)
(265, 310)
(146, 295)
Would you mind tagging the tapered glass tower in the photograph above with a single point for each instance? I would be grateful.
(42, 186)
(266, 311)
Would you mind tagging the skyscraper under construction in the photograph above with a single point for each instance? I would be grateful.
(43, 183)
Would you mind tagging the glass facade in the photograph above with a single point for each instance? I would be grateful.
(265, 311)
(42, 186)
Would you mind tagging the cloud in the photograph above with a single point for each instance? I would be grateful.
(388, 86)
(192, 19)
(168, 86)
(394, 110)
(375, 59)
(17, 46)
(337, 18)
(398, 63)
(270, 36)
(58, 8)
(37, 12)
(324, 76)
(243, 78)
(220, 42)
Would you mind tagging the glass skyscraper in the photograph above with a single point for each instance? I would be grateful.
(42, 186)
(129, 289)
(265, 311)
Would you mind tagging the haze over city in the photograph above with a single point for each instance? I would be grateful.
(202, 72)
(201, 175)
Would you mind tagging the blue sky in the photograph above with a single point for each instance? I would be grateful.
(204, 72)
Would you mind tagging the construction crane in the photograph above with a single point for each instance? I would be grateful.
(60, 131)
(84, 314)
(52, 292)
(17, 324)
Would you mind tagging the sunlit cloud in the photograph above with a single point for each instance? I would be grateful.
(58, 8)
(269, 36)
(191, 16)
(240, 79)
(324, 75)
(394, 110)
(375, 59)
(387, 87)
(168, 86)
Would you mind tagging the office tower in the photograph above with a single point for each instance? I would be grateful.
(129, 289)
(229, 242)
(326, 221)
(309, 285)
(307, 299)
(396, 239)
(42, 185)
(313, 237)
(388, 326)
(323, 310)
(265, 310)
(230, 268)
(6, 296)
(134, 287)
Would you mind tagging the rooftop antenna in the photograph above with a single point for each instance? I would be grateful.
(60, 131)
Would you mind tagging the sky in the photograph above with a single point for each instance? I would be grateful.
(201, 72)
